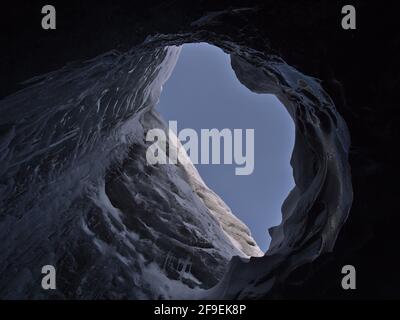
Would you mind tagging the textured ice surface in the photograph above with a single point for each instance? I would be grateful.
(77, 192)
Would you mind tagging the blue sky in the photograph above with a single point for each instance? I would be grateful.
(204, 93)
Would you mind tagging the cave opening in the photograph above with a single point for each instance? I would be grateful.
(204, 92)
(101, 129)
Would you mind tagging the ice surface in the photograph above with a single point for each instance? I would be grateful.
(77, 192)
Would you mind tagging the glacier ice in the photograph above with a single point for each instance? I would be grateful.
(76, 193)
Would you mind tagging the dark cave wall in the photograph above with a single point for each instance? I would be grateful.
(307, 35)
